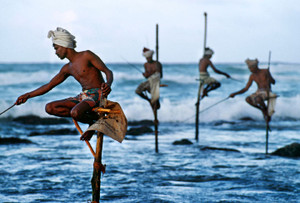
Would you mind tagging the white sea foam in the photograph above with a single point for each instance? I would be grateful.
(18, 78)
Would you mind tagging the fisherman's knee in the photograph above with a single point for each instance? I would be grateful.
(215, 85)
(49, 108)
(248, 100)
(259, 100)
(75, 114)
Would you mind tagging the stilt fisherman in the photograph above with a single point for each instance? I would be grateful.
(206, 82)
(263, 79)
(153, 73)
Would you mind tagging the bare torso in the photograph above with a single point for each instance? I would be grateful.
(151, 68)
(84, 71)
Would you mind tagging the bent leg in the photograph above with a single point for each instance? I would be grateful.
(210, 87)
(61, 108)
(259, 103)
(144, 86)
(83, 113)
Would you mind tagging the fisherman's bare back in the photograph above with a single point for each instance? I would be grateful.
(263, 79)
(204, 63)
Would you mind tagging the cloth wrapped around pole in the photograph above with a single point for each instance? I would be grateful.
(113, 124)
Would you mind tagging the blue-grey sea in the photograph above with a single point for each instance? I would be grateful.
(58, 168)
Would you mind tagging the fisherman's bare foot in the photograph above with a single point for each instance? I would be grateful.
(204, 95)
(86, 136)
(267, 118)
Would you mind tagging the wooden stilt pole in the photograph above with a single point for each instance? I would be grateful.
(205, 30)
(267, 136)
(155, 107)
(98, 168)
(268, 103)
(87, 142)
(197, 112)
(200, 85)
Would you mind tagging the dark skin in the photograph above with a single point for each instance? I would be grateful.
(263, 79)
(204, 63)
(151, 67)
(86, 68)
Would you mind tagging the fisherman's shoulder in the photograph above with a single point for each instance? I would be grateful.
(87, 54)
(205, 60)
(158, 63)
(65, 68)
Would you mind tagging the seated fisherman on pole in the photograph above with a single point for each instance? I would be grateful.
(86, 68)
(263, 79)
(205, 79)
(153, 73)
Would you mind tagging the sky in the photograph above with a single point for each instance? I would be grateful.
(117, 30)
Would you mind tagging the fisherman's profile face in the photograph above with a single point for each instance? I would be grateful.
(207, 56)
(253, 69)
(149, 59)
(60, 51)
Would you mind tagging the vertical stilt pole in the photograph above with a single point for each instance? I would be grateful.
(268, 103)
(155, 107)
(98, 168)
(200, 85)
(197, 112)
(267, 137)
(205, 30)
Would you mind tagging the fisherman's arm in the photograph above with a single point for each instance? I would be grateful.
(272, 80)
(249, 83)
(218, 71)
(160, 69)
(146, 74)
(56, 80)
(98, 63)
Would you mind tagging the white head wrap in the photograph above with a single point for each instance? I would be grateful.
(62, 37)
(251, 63)
(147, 52)
(208, 51)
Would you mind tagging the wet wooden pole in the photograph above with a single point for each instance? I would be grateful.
(155, 106)
(98, 168)
(268, 103)
(200, 85)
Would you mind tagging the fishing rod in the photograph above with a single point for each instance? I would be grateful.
(7, 109)
(228, 78)
(132, 65)
(214, 104)
(235, 79)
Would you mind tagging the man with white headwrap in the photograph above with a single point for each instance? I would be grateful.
(263, 79)
(86, 68)
(208, 83)
(153, 73)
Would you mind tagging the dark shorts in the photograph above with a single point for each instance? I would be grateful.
(91, 96)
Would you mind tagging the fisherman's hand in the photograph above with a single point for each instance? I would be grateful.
(105, 89)
(22, 99)
(146, 75)
(232, 95)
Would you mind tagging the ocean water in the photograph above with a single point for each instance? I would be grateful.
(58, 168)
